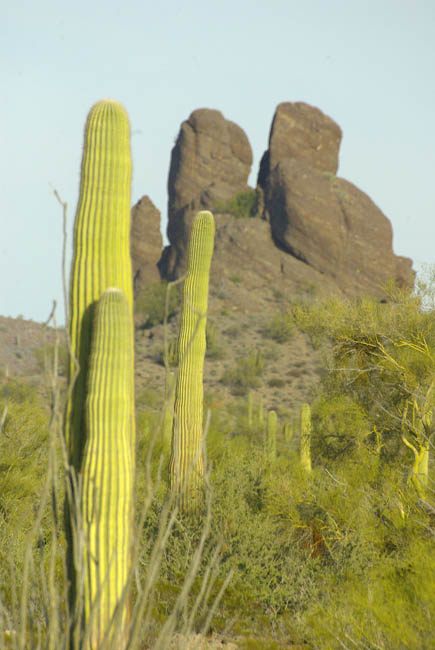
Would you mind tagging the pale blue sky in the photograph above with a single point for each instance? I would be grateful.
(368, 64)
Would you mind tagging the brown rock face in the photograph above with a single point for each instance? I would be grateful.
(145, 243)
(331, 225)
(303, 132)
(247, 267)
(322, 220)
(322, 230)
(210, 162)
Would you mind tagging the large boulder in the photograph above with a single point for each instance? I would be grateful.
(210, 163)
(334, 227)
(318, 218)
(145, 243)
(301, 131)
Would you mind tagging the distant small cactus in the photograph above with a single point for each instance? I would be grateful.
(306, 437)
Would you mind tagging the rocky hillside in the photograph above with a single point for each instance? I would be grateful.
(302, 231)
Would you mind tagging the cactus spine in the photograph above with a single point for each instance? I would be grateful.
(108, 470)
(186, 465)
(306, 437)
(101, 256)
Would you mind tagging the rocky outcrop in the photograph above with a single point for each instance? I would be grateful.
(325, 221)
(145, 243)
(303, 132)
(322, 230)
(210, 162)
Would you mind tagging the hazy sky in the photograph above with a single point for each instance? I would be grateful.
(369, 64)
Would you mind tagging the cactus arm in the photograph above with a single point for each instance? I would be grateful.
(186, 467)
(108, 469)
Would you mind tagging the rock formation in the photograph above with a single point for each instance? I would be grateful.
(316, 229)
(145, 243)
(210, 162)
(324, 221)
(303, 132)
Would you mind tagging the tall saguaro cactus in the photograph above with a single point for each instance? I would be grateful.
(101, 259)
(101, 256)
(306, 437)
(108, 471)
(186, 466)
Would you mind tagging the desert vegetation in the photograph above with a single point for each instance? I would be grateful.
(179, 518)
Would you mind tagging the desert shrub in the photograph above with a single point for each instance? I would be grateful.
(276, 382)
(245, 374)
(150, 305)
(281, 328)
(172, 353)
(24, 444)
(382, 357)
(214, 349)
(340, 426)
(45, 358)
(242, 205)
(18, 391)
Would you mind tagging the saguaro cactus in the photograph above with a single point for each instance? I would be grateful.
(186, 466)
(101, 259)
(101, 256)
(108, 471)
(306, 437)
(288, 432)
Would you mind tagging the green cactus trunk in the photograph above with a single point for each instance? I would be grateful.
(272, 425)
(186, 465)
(101, 256)
(288, 432)
(108, 472)
(306, 437)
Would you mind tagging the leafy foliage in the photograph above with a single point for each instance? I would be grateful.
(245, 374)
(243, 205)
(281, 327)
(151, 303)
(340, 557)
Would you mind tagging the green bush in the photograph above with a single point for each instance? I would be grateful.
(281, 328)
(24, 446)
(214, 349)
(150, 305)
(245, 374)
(45, 358)
(242, 205)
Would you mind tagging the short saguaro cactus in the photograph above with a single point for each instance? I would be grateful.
(108, 471)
